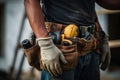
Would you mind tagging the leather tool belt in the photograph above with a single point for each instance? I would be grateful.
(71, 52)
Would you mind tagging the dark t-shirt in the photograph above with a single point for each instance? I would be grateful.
(79, 12)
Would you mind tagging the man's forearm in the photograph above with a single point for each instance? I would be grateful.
(109, 4)
(35, 17)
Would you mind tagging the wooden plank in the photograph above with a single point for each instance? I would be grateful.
(105, 11)
(114, 43)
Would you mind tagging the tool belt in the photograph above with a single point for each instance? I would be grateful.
(72, 52)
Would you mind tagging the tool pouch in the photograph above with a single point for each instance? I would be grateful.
(33, 56)
(71, 55)
(70, 52)
(86, 46)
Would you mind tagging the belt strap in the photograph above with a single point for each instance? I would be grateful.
(89, 29)
(51, 27)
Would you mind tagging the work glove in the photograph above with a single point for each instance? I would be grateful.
(105, 54)
(50, 56)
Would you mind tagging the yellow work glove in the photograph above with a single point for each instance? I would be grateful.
(105, 54)
(50, 56)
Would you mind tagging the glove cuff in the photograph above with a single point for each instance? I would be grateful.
(45, 42)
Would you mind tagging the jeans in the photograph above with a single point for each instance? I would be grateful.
(86, 69)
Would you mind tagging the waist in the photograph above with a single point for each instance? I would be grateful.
(51, 27)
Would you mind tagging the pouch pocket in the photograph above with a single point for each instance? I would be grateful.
(86, 46)
(71, 55)
(33, 56)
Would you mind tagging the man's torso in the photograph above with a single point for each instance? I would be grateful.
(80, 12)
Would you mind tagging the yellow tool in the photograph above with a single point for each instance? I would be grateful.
(69, 33)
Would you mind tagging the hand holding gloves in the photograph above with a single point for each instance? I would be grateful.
(50, 56)
(105, 54)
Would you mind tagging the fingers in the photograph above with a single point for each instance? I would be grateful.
(62, 58)
(48, 69)
(53, 69)
(104, 65)
(58, 68)
(106, 62)
(103, 55)
(104, 52)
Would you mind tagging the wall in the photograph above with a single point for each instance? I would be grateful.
(14, 11)
(103, 18)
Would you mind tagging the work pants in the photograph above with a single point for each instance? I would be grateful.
(86, 69)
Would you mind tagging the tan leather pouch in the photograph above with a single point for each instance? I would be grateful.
(70, 53)
(86, 46)
(33, 54)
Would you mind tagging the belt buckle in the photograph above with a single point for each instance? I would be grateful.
(91, 29)
(85, 29)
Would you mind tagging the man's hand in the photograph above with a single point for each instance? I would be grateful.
(51, 56)
(105, 55)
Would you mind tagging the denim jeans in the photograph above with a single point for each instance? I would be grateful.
(86, 69)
